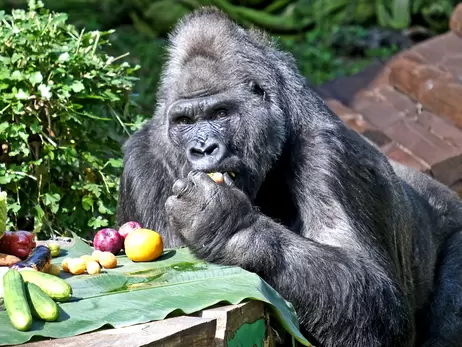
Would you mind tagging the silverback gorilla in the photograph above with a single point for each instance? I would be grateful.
(368, 251)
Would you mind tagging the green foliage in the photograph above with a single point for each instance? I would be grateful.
(64, 111)
(318, 59)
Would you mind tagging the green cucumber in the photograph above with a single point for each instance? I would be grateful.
(55, 287)
(15, 300)
(41, 305)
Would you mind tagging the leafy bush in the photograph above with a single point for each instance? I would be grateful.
(64, 111)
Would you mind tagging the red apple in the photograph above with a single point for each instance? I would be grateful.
(128, 227)
(108, 240)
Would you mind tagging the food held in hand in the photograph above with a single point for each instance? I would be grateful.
(76, 266)
(55, 249)
(217, 177)
(108, 240)
(93, 267)
(143, 245)
(128, 227)
(18, 243)
(108, 260)
(39, 259)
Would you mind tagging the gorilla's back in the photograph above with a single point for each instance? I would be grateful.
(436, 214)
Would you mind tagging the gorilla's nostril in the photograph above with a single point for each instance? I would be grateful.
(207, 152)
(197, 152)
(210, 149)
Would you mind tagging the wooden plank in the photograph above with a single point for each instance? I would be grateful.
(178, 331)
(231, 318)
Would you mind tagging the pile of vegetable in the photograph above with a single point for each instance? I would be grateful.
(29, 294)
(31, 284)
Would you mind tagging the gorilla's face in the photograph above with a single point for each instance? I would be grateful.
(225, 124)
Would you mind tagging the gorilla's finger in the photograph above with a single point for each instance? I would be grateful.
(228, 180)
(199, 178)
(180, 187)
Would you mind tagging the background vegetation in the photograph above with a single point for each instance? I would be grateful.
(64, 117)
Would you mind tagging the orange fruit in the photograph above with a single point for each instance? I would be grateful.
(143, 245)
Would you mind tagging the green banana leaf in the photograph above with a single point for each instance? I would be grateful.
(134, 293)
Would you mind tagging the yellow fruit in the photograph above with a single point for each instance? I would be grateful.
(143, 245)
(93, 267)
(55, 249)
(65, 265)
(108, 260)
(76, 266)
(96, 254)
(217, 177)
(54, 270)
(87, 258)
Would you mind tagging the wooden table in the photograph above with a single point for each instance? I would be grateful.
(245, 324)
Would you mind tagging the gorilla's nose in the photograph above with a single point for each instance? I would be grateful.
(206, 152)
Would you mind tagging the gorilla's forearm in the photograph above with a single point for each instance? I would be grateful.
(328, 286)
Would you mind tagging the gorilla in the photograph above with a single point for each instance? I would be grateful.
(368, 251)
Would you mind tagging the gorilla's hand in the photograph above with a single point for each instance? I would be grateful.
(207, 214)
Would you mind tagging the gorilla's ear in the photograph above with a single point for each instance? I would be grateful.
(257, 89)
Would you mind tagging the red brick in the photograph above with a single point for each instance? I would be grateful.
(421, 143)
(397, 153)
(373, 106)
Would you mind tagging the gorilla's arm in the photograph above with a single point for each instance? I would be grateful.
(338, 273)
(331, 288)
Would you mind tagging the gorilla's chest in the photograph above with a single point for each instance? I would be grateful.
(275, 200)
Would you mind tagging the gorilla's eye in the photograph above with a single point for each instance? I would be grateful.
(221, 113)
(183, 120)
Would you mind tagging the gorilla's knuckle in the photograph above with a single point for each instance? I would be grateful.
(180, 187)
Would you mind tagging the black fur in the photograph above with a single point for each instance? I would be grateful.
(368, 251)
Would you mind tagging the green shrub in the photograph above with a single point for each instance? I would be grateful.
(64, 112)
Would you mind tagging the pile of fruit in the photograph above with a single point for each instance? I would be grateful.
(31, 284)
(139, 244)
(91, 264)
